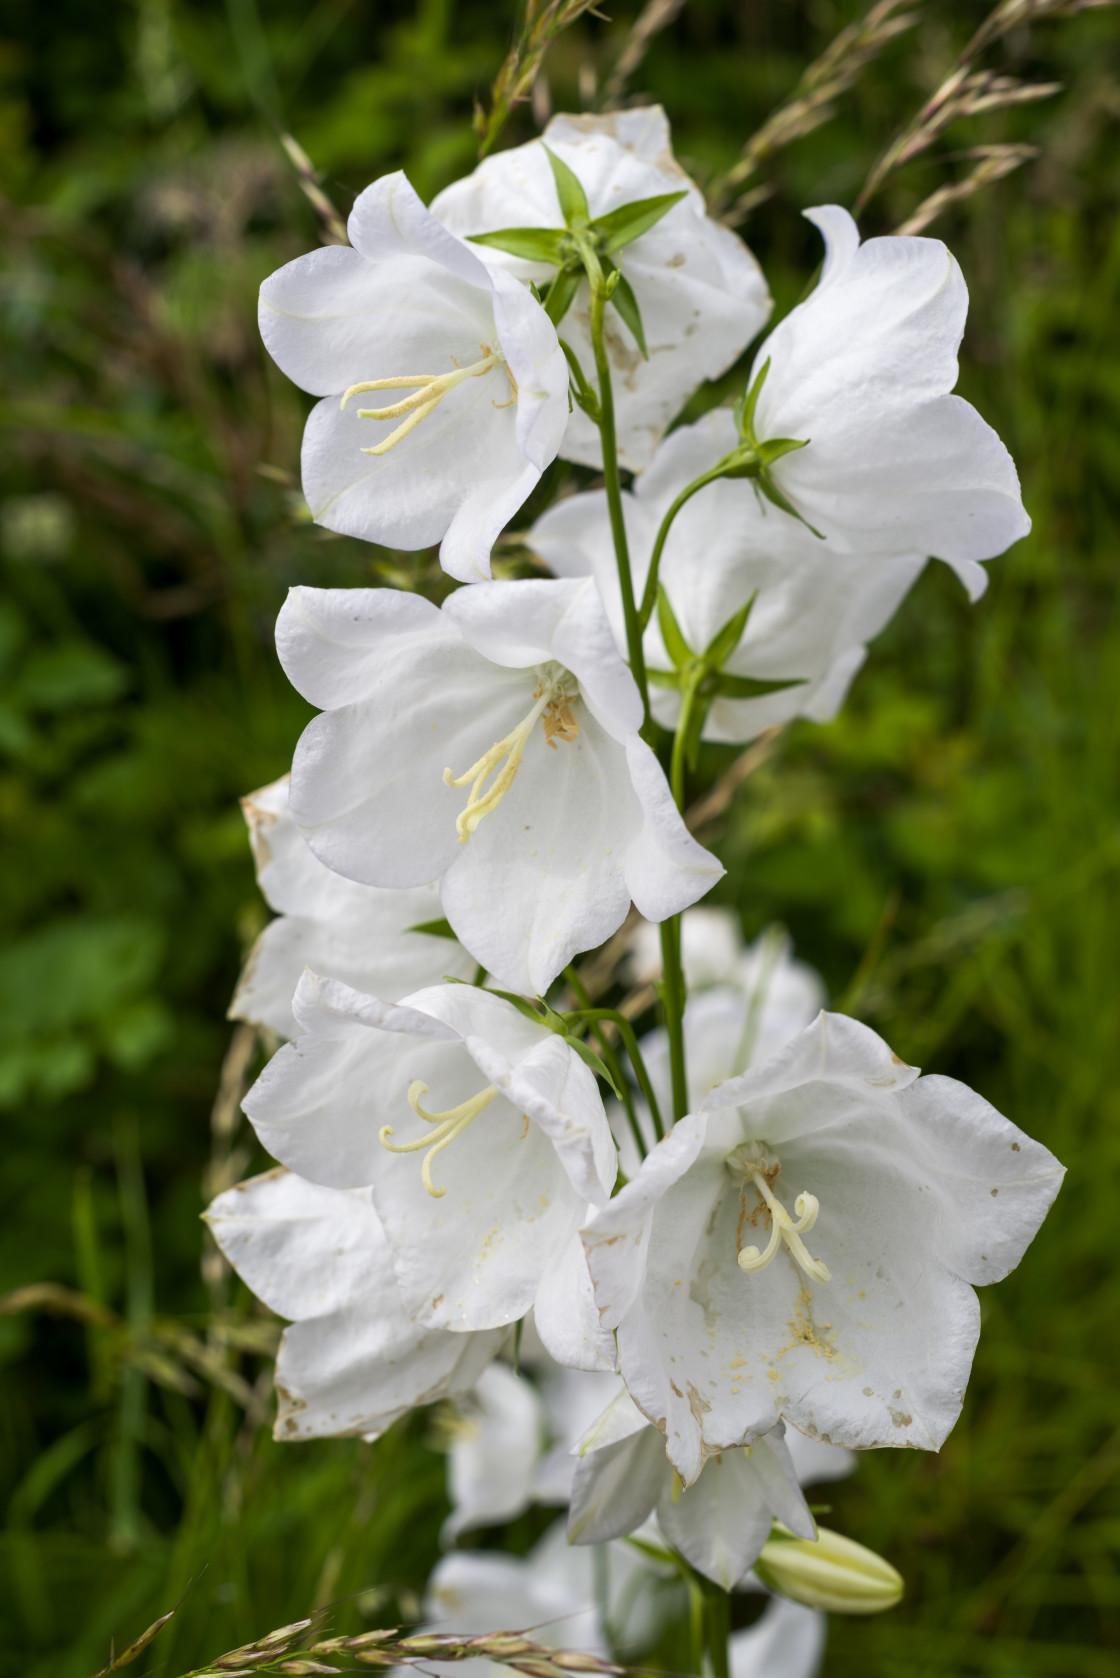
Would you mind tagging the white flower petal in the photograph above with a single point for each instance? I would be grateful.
(616, 1487)
(566, 1315)
(720, 1523)
(787, 1642)
(494, 1452)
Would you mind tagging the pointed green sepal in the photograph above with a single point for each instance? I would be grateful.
(620, 227)
(532, 244)
(725, 640)
(622, 296)
(775, 447)
(663, 678)
(746, 687)
(744, 410)
(573, 199)
(584, 394)
(561, 293)
(434, 929)
(589, 1058)
(671, 633)
(773, 494)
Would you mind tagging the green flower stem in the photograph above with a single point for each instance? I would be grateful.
(649, 597)
(626, 1032)
(673, 998)
(599, 299)
(717, 1629)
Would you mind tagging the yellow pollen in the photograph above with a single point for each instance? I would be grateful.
(428, 391)
(784, 1228)
(503, 760)
(449, 1125)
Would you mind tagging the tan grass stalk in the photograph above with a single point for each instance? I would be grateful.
(543, 21)
(651, 20)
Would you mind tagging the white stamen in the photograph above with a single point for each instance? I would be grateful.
(449, 1125)
(428, 391)
(784, 1228)
(553, 708)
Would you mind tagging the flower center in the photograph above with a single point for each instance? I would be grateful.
(782, 1226)
(449, 1125)
(428, 391)
(553, 706)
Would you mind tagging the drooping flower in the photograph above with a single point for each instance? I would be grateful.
(332, 925)
(491, 744)
(469, 385)
(719, 1523)
(511, 1438)
(352, 1361)
(552, 1595)
(861, 372)
(698, 289)
(806, 1245)
(815, 606)
(369, 1086)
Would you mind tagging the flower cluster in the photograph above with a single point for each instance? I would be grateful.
(659, 1281)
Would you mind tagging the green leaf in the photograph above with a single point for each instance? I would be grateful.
(620, 227)
(561, 292)
(627, 305)
(725, 640)
(587, 1054)
(573, 199)
(531, 1010)
(532, 244)
(434, 929)
(746, 687)
(671, 633)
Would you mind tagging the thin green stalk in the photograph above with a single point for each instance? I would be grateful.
(610, 475)
(649, 596)
(717, 1629)
(610, 1059)
(629, 1038)
(673, 996)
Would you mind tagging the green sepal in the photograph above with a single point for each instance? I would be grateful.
(585, 396)
(663, 678)
(532, 244)
(775, 447)
(573, 199)
(773, 494)
(434, 929)
(725, 640)
(589, 1058)
(745, 407)
(671, 633)
(530, 1010)
(561, 292)
(700, 681)
(747, 687)
(619, 227)
(622, 296)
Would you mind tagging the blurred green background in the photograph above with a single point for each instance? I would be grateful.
(947, 853)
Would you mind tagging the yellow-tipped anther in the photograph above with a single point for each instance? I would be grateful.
(449, 1125)
(428, 391)
(503, 760)
(784, 1228)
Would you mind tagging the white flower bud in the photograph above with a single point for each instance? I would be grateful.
(833, 1573)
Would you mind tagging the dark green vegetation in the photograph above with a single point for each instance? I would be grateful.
(947, 853)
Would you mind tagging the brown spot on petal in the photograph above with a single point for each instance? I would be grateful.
(900, 1418)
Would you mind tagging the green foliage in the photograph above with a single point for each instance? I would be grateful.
(947, 852)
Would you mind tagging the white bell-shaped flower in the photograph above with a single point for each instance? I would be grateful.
(699, 290)
(492, 745)
(353, 1360)
(332, 925)
(481, 1135)
(719, 1523)
(806, 1246)
(786, 1641)
(815, 607)
(445, 391)
(862, 373)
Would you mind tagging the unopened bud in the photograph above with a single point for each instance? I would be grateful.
(834, 1573)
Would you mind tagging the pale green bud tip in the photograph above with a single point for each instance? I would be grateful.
(834, 1574)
